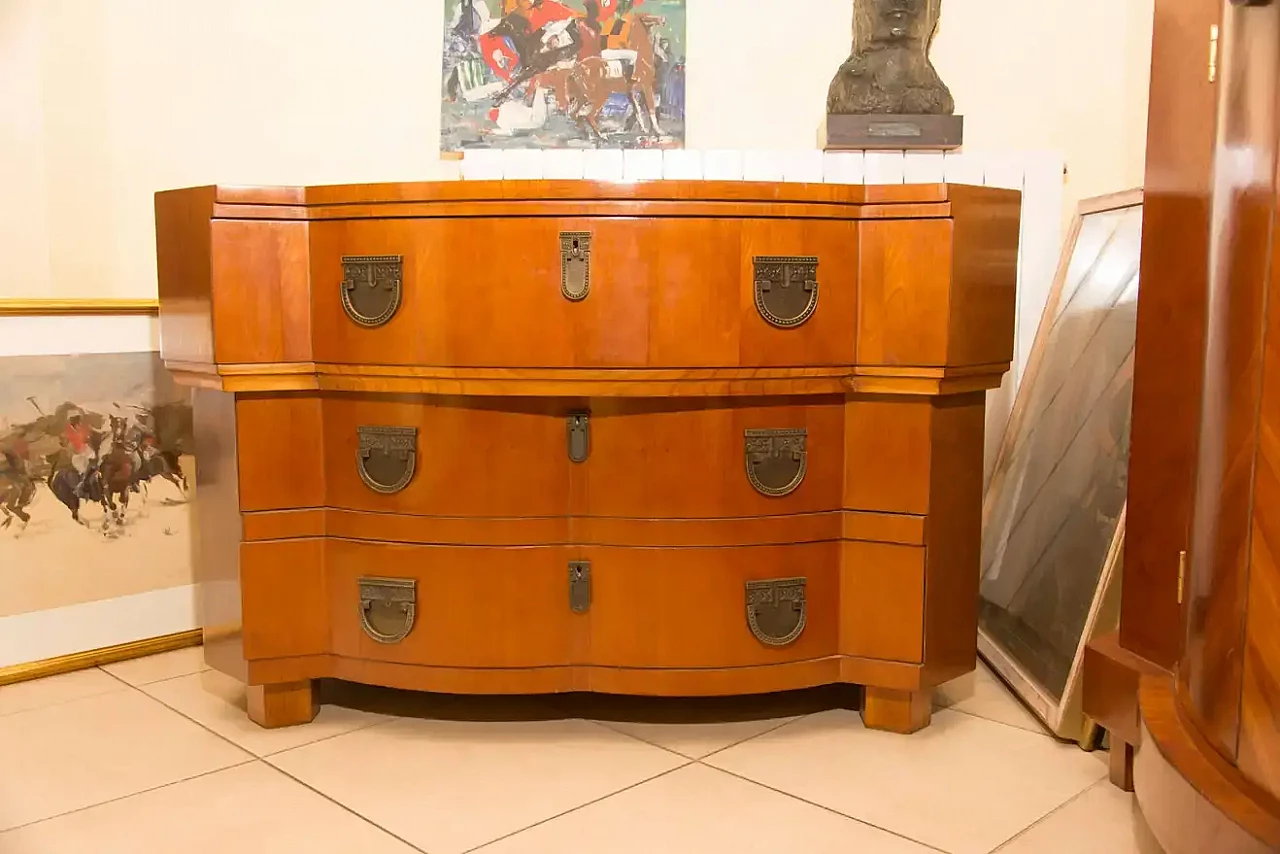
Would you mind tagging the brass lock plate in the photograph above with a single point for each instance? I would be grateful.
(578, 430)
(575, 265)
(580, 586)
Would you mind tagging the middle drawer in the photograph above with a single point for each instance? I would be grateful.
(690, 458)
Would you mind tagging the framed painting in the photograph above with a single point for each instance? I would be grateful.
(563, 74)
(96, 479)
(1053, 514)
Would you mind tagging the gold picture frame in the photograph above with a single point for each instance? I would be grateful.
(82, 307)
(62, 307)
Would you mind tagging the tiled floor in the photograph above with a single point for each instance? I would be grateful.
(156, 755)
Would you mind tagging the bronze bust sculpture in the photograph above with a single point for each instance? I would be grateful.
(888, 72)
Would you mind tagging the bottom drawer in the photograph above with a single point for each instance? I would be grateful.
(511, 607)
(713, 607)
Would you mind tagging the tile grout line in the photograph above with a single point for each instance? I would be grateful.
(57, 703)
(585, 804)
(265, 761)
(364, 818)
(1077, 796)
(774, 728)
(264, 758)
(1038, 731)
(145, 791)
(829, 809)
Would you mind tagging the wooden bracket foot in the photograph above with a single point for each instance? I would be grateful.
(282, 704)
(896, 711)
(1121, 764)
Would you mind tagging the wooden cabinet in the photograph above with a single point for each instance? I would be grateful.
(668, 438)
(1193, 678)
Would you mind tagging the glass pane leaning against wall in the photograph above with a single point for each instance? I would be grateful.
(1053, 516)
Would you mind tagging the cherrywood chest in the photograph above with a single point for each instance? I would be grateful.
(668, 438)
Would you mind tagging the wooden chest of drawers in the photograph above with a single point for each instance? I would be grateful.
(522, 437)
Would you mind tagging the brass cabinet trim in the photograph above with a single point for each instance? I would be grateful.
(774, 278)
(371, 287)
(384, 600)
(578, 436)
(776, 610)
(579, 586)
(575, 265)
(776, 460)
(384, 448)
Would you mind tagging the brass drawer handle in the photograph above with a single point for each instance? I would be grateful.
(786, 288)
(776, 611)
(388, 607)
(776, 460)
(371, 287)
(387, 457)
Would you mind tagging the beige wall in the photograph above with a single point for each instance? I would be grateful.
(102, 102)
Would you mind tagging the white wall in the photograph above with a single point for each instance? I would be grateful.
(105, 101)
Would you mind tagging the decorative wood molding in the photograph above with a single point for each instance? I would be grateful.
(36, 307)
(1194, 800)
(97, 657)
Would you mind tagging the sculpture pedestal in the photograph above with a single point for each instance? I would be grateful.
(891, 132)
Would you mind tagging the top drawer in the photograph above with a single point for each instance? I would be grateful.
(548, 292)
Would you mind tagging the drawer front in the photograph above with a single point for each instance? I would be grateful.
(472, 607)
(725, 458)
(689, 607)
(499, 292)
(469, 457)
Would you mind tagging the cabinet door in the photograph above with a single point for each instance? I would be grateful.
(1223, 539)
(1170, 331)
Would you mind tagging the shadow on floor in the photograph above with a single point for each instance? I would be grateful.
(598, 707)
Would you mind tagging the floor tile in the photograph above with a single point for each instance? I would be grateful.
(51, 690)
(695, 740)
(448, 786)
(155, 668)
(1104, 820)
(696, 726)
(964, 784)
(250, 809)
(217, 701)
(981, 693)
(77, 754)
(699, 810)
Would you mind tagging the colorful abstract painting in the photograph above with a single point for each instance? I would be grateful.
(563, 74)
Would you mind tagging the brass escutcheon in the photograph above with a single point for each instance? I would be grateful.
(575, 265)
(387, 457)
(776, 460)
(371, 287)
(786, 288)
(776, 610)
